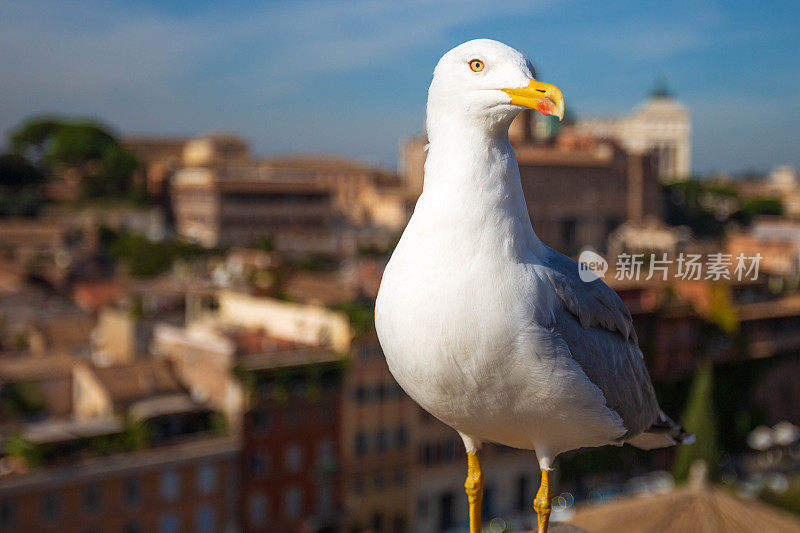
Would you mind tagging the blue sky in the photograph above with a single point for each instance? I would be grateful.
(350, 77)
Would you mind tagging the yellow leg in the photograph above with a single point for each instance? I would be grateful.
(542, 503)
(474, 489)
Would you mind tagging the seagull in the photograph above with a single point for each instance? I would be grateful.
(483, 325)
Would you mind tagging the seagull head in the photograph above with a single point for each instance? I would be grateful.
(487, 83)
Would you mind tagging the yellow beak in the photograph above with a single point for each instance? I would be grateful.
(545, 98)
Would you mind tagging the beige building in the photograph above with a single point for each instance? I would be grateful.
(223, 196)
(159, 158)
(781, 184)
(661, 124)
(203, 360)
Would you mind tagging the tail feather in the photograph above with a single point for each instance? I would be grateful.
(664, 432)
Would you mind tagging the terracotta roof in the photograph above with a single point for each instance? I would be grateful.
(143, 379)
(119, 464)
(63, 430)
(697, 508)
(288, 358)
(320, 288)
(321, 162)
(94, 295)
(64, 330)
(253, 341)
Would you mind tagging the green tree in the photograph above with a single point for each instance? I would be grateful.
(53, 144)
(22, 398)
(47, 141)
(21, 448)
(113, 177)
(20, 183)
(144, 258)
(698, 418)
(758, 206)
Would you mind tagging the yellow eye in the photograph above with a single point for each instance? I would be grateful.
(476, 65)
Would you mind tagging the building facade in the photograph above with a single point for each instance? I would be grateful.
(511, 479)
(661, 124)
(221, 196)
(377, 444)
(185, 487)
(291, 474)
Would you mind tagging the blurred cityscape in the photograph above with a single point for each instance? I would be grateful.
(187, 342)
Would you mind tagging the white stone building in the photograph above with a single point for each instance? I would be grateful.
(660, 123)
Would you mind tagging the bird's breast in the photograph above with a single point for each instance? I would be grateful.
(446, 331)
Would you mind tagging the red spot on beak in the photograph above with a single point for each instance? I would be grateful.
(545, 107)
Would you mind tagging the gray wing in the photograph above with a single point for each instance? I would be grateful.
(598, 330)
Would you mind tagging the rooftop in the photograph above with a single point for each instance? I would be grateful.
(114, 465)
(696, 507)
(288, 358)
(138, 381)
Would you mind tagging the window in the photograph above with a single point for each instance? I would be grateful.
(258, 463)
(48, 506)
(422, 508)
(91, 498)
(292, 502)
(206, 479)
(257, 509)
(377, 522)
(361, 394)
(400, 476)
(379, 480)
(357, 484)
(450, 449)
(170, 485)
(569, 232)
(293, 458)
(381, 440)
(426, 454)
(401, 437)
(488, 503)
(325, 499)
(399, 524)
(361, 444)
(168, 523)
(8, 513)
(325, 453)
(446, 511)
(521, 500)
(133, 491)
(612, 223)
(205, 520)
(261, 420)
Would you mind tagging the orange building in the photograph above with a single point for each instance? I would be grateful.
(290, 465)
(183, 487)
